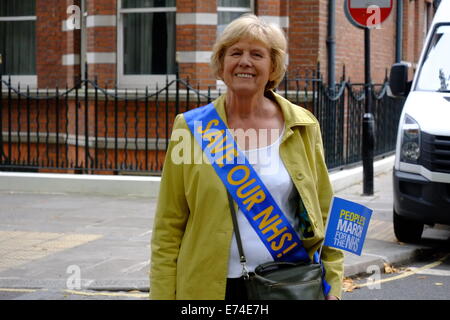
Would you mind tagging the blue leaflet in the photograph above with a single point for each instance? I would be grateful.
(347, 225)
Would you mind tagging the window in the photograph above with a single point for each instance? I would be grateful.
(146, 39)
(17, 38)
(435, 70)
(228, 10)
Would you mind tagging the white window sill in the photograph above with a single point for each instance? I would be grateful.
(24, 81)
(143, 81)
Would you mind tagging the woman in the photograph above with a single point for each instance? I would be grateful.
(194, 252)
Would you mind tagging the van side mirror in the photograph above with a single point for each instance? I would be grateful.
(398, 80)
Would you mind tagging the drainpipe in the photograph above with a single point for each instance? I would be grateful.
(331, 44)
(399, 35)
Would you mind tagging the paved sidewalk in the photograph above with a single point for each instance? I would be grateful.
(56, 246)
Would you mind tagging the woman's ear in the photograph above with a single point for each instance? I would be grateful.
(220, 71)
(220, 74)
(272, 71)
(272, 74)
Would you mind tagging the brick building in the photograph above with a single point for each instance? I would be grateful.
(132, 43)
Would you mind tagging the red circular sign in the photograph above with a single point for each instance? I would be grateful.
(368, 13)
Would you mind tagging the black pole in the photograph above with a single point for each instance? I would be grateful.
(368, 122)
(86, 122)
(331, 44)
(399, 32)
(177, 84)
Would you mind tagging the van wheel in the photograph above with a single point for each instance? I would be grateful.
(407, 230)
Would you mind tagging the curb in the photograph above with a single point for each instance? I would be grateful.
(136, 186)
(349, 177)
(394, 254)
(65, 183)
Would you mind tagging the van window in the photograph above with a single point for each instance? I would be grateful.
(435, 72)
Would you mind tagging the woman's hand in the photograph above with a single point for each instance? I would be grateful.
(331, 298)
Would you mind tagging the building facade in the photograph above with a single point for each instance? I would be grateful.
(49, 122)
(135, 43)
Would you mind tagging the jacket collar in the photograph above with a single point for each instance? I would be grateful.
(293, 114)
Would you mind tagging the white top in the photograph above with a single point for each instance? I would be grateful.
(267, 163)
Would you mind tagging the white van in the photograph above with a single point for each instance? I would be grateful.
(422, 159)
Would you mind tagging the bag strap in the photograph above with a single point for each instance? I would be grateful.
(242, 258)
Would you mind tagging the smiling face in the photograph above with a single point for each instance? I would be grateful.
(247, 67)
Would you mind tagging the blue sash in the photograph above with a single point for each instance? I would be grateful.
(245, 186)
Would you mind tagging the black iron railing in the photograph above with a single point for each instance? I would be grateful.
(89, 129)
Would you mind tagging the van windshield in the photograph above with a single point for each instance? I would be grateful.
(435, 72)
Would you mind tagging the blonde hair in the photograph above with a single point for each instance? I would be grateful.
(251, 27)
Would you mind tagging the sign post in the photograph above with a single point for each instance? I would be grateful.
(368, 143)
(368, 14)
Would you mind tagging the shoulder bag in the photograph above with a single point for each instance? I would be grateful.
(278, 280)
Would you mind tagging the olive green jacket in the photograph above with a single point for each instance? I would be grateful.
(192, 229)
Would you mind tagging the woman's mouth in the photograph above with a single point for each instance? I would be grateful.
(244, 75)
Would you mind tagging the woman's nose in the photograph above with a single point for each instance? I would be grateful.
(245, 60)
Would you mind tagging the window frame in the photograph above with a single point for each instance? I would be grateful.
(234, 9)
(136, 81)
(24, 80)
(219, 83)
